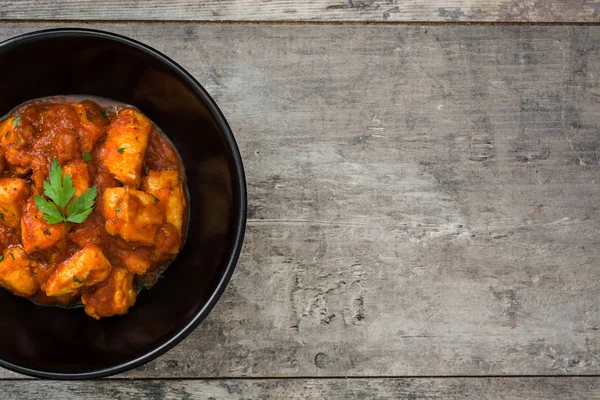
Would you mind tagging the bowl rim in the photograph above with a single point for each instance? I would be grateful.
(241, 203)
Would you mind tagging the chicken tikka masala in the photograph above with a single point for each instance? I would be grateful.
(92, 204)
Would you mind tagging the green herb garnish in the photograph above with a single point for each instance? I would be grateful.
(156, 199)
(142, 285)
(60, 190)
(81, 207)
(118, 209)
(87, 157)
(1, 257)
(121, 150)
(2, 216)
(12, 256)
(105, 113)
(6, 134)
(76, 279)
(16, 121)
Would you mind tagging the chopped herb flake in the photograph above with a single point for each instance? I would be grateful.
(12, 256)
(156, 199)
(6, 134)
(16, 121)
(118, 209)
(105, 113)
(76, 279)
(142, 285)
(47, 232)
(2, 216)
(87, 157)
(1, 257)
(121, 150)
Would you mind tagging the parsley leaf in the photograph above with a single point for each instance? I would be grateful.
(121, 150)
(16, 121)
(87, 157)
(81, 207)
(51, 213)
(60, 190)
(76, 279)
(1, 257)
(2, 216)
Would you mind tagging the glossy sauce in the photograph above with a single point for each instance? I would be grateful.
(51, 127)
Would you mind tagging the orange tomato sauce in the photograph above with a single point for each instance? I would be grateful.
(84, 135)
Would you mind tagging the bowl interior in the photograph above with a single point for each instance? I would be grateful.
(55, 342)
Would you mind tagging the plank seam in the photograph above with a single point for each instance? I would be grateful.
(291, 378)
(294, 23)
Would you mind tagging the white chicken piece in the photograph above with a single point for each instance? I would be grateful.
(78, 171)
(114, 298)
(16, 274)
(124, 149)
(131, 214)
(85, 268)
(12, 193)
(168, 190)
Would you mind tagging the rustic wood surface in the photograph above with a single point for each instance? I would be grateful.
(423, 203)
(423, 200)
(297, 389)
(307, 10)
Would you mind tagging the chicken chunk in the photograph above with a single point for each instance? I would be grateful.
(2, 160)
(16, 274)
(114, 298)
(36, 233)
(6, 127)
(168, 189)
(65, 147)
(10, 135)
(18, 161)
(124, 149)
(89, 132)
(131, 214)
(12, 193)
(78, 171)
(168, 241)
(137, 261)
(85, 268)
(14, 137)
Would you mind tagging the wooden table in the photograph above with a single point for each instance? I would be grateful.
(424, 189)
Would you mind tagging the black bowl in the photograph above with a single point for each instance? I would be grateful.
(57, 343)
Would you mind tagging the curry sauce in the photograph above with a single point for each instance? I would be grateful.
(92, 203)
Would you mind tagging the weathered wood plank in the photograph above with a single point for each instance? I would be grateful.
(415, 389)
(311, 10)
(423, 200)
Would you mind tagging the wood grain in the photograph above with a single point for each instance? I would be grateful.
(414, 389)
(423, 200)
(308, 10)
